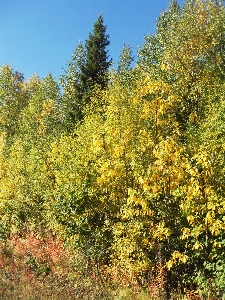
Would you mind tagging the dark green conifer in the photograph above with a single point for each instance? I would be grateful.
(89, 67)
(97, 62)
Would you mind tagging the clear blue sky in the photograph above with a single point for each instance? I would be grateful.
(40, 35)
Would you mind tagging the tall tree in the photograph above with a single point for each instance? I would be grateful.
(96, 65)
(87, 69)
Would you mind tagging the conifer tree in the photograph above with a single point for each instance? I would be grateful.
(87, 69)
(96, 64)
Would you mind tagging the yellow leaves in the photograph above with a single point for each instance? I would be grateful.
(169, 264)
(158, 107)
(161, 232)
(2, 141)
(134, 199)
(197, 246)
(118, 151)
(216, 227)
(209, 219)
(2, 158)
(97, 144)
(147, 107)
(54, 149)
(130, 192)
(63, 150)
(168, 166)
(47, 107)
(158, 86)
(202, 158)
(193, 117)
(132, 202)
(186, 233)
(145, 242)
(181, 257)
(221, 210)
(109, 129)
(108, 176)
(176, 259)
(150, 87)
(193, 190)
(191, 219)
(42, 128)
(129, 247)
(207, 191)
(128, 213)
(144, 91)
(166, 174)
(217, 244)
(164, 67)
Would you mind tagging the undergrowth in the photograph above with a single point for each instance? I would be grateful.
(39, 267)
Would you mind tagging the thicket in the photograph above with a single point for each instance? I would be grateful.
(131, 193)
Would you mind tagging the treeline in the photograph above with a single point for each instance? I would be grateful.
(126, 165)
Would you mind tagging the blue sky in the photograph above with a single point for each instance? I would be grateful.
(40, 35)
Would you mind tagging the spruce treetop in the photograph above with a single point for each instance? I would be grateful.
(97, 60)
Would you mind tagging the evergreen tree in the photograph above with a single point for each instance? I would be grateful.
(88, 68)
(96, 64)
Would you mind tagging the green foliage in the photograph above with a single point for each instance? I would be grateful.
(96, 64)
(13, 99)
(126, 59)
(72, 105)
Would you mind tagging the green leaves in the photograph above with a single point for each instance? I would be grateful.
(13, 99)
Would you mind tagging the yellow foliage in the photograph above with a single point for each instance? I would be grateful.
(191, 219)
(186, 233)
(161, 232)
(197, 246)
(176, 259)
